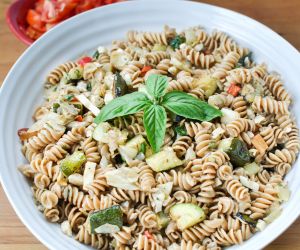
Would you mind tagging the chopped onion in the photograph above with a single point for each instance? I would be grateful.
(161, 195)
(123, 177)
(229, 115)
(87, 103)
(107, 229)
(119, 59)
(190, 154)
(261, 225)
(76, 179)
(66, 228)
(108, 97)
(88, 174)
(174, 246)
(249, 184)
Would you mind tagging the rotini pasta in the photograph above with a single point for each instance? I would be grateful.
(79, 169)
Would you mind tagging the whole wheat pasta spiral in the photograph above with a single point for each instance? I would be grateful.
(81, 170)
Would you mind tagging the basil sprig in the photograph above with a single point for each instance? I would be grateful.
(155, 105)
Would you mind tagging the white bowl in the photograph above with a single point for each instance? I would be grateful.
(22, 89)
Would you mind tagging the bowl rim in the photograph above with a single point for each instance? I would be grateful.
(74, 19)
(14, 29)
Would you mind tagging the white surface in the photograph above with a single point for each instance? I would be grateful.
(23, 86)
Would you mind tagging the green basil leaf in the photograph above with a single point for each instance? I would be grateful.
(156, 85)
(155, 119)
(188, 106)
(124, 105)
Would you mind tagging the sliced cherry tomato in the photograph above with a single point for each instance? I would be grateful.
(145, 69)
(148, 235)
(39, 6)
(79, 118)
(234, 89)
(84, 6)
(84, 60)
(34, 19)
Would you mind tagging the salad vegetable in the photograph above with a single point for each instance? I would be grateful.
(72, 163)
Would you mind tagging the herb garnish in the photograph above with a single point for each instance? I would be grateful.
(155, 106)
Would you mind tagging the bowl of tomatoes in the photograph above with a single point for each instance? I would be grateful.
(30, 19)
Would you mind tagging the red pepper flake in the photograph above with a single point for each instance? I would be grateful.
(145, 69)
(84, 60)
(148, 235)
(74, 99)
(79, 118)
(234, 89)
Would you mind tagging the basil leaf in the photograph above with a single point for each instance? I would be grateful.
(188, 106)
(155, 119)
(176, 41)
(124, 105)
(156, 85)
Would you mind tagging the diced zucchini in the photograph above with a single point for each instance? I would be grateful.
(225, 144)
(159, 47)
(252, 168)
(249, 184)
(119, 86)
(100, 131)
(164, 160)
(162, 220)
(106, 220)
(130, 150)
(239, 153)
(72, 163)
(274, 213)
(283, 193)
(246, 219)
(186, 215)
(208, 84)
(75, 73)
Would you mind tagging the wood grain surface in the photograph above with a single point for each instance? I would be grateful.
(281, 16)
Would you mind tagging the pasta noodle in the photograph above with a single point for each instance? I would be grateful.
(233, 187)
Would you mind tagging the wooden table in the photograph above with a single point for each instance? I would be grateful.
(281, 16)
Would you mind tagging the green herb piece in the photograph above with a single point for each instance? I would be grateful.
(156, 85)
(112, 216)
(155, 119)
(188, 106)
(180, 131)
(69, 97)
(55, 107)
(75, 73)
(153, 101)
(124, 105)
(246, 219)
(96, 54)
(243, 60)
(176, 41)
(72, 163)
(89, 87)
(162, 220)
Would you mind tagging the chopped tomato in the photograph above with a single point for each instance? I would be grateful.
(84, 60)
(22, 130)
(32, 33)
(34, 20)
(145, 69)
(79, 118)
(48, 13)
(148, 235)
(234, 89)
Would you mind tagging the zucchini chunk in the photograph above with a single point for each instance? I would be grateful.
(107, 220)
(130, 150)
(162, 220)
(164, 160)
(186, 215)
(246, 219)
(72, 163)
